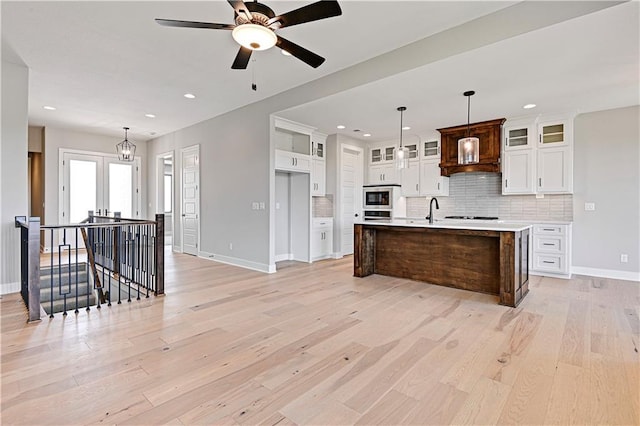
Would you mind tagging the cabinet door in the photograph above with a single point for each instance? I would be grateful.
(318, 178)
(518, 137)
(413, 151)
(518, 172)
(431, 149)
(411, 180)
(390, 174)
(291, 161)
(431, 182)
(389, 153)
(553, 133)
(375, 175)
(554, 170)
(376, 155)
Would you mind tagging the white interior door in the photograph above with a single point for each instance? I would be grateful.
(351, 194)
(190, 202)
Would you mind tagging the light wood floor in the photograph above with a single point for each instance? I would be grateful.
(313, 345)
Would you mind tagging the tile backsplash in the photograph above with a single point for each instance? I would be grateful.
(480, 194)
(322, 206)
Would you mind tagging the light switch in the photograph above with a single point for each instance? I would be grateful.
(254, 206)
(589, 207)
(262, 206)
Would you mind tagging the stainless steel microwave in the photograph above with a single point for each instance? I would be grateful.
(378, 198)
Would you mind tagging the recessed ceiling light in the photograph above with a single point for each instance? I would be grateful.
(366, 135)
(285, 53)
(529, 106)
(150, 115)
(189, 95)
(49, 108)
(341, 126)
(406, 128)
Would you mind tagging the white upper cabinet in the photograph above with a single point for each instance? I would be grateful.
(411, 179)
(518, 136)
(381, 154)
(431, 182)
(318, 178)
(383, 174)
(318, 144)
(554, 133)
(293, 146)
(555, 174)
(518, 172)
(431, 148)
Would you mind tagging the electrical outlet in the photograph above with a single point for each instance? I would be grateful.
(230, 246)
(589, 207)
(277, 206)
(624, 258)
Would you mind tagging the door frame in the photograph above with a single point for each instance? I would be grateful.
(160, 178)
(182, 151)
(61, 154)
(338, 229)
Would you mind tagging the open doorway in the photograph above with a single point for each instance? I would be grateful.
(165, 195)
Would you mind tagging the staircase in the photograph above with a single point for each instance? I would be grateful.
(64, 282)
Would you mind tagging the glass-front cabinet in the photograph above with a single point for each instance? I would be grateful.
(554, 133)
(431, 148)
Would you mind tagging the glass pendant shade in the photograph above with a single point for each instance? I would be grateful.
(126, 150)
(402, 158)
(468, 150)
(469, 147)
(402, 153)
(254, 37)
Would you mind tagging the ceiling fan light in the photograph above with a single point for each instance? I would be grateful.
(254, 37)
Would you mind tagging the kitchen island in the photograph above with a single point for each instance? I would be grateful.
(486, 257)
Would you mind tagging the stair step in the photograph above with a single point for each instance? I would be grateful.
(65, 278)
(83, 289)
(58, 305)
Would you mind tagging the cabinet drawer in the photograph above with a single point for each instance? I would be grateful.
(549, 229)
(545, 244)
(549, 263)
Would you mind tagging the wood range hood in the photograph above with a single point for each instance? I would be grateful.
(490, 135)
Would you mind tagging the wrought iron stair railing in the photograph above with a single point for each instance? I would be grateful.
(101, 260)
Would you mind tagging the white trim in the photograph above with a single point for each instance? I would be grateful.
(195, 147)
(234, 261)
(177, 249)
(286, 256)
(8, 288)
(606, 273)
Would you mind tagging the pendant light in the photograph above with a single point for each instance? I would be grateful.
(125, 149)
(469, 147)
(402, 154)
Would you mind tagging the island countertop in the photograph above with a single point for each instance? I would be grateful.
(473, 225)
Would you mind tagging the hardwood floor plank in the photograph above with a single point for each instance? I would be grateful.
(226, 340)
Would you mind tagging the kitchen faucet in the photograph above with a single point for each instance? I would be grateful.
(430, 217)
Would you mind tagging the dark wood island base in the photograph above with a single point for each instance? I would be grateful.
(485, 261)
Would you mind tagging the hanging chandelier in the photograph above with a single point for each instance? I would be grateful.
(126, 150)
(402, 154)
(469, 147)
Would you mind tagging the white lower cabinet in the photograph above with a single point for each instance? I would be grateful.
(292, 161)
(431, 182)
(551, 251)
(321, 238)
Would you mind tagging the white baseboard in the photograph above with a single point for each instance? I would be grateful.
(247, 264)
(177, 249)
(8, 288)
(281, 257)
(606, 273)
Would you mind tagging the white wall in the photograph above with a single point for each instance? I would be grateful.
(607, 173)
(13, 171)
(54, 139)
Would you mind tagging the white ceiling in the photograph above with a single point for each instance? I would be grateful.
(586, 64)
(104, 65)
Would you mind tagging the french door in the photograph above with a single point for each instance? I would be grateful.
(99, 183)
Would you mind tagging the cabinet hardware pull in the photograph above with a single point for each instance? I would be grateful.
(540, 182)
(506, 183)
(547, 261)
(548, 244)
(438, 186)
(548, 229)
(416, 186)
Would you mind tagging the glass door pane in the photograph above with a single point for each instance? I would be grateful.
(120, 189)
(83, 189)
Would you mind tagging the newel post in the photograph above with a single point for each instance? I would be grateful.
(159, 254)
(30, 264)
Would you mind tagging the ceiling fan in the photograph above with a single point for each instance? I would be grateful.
(256, 24)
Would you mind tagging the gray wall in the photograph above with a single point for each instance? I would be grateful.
(607, 173)
(13, 171)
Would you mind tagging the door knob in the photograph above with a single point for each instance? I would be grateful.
(183, 215)
(356, 214)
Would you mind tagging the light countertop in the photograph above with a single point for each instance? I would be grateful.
(474, 225)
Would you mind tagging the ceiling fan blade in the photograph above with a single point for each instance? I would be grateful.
(191, 24)
(300, 52)
(242, 59)
(313, 12)
(240, 8)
